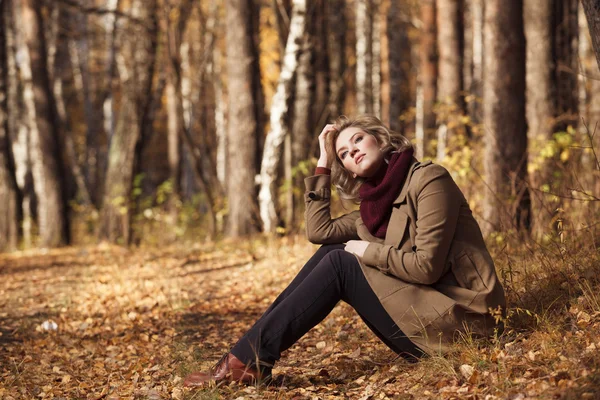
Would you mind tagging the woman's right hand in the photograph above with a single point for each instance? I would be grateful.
(324, 159)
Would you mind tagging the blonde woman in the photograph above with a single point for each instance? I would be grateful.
(411, 261)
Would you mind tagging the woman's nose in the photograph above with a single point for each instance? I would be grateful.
(353, 152)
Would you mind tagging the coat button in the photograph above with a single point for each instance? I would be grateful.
(312, 195)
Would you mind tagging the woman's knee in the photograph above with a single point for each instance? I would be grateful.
(340, 259)
(328, 248)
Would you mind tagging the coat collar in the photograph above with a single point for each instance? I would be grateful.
(413, 167)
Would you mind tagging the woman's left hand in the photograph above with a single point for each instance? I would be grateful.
(357, 247)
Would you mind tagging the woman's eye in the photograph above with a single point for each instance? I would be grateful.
(343, 155)
(358, 139)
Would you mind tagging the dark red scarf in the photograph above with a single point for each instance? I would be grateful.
(378, 193)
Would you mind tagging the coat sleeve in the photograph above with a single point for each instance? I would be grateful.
(438, 206)
(320, 227)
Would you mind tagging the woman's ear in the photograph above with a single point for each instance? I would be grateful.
(354, 176)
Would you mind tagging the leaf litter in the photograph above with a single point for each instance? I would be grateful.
(106, 322)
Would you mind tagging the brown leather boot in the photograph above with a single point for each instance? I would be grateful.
(228, 369)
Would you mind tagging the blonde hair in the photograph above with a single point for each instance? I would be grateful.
(390, 141)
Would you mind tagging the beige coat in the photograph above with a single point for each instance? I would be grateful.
(432, 273)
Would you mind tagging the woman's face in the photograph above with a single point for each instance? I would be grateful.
(359, 152)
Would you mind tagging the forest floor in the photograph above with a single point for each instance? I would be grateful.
(106, 322)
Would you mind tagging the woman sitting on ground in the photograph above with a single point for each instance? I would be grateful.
(412, 261)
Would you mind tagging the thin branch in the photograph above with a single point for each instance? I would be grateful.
(591, 138)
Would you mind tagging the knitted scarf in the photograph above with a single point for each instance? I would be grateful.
(379, 192)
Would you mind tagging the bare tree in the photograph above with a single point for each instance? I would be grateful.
(505, 157)
(47, 165)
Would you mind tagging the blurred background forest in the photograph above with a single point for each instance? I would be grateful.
(154, 121)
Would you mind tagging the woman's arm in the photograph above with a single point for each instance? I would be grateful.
(320, 227)
(438, 207)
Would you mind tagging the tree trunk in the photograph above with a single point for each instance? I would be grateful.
(49, 186)
(398, 56)
(302, 126)
(450, 87)
(376, 57)
(62, 73)
(551, 30)
(364, 57)
(279, 111)
(244, 126)
(592, 13)
(106, 103)
(317, 27)
(336, 47)
(505, 158)
(9, 212)
(589, 108)
(20, 134)
(476, 87)
(427, 76)
(79, 54)
(133, 121)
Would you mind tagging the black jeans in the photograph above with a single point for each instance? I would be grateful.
(332, 274)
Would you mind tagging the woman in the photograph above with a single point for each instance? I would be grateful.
(412, 261)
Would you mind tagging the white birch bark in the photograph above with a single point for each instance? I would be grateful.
(21, 141)
(27, 143)
(279, 111)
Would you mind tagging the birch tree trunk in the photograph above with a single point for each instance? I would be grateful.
(52, 206)
(9, 212)
(364, 57)
(427, 76)
(592, 13)
(244, 124)
(20, 134)
(279, 111)
(505, 157)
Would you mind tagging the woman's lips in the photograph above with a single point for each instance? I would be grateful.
(359, 158)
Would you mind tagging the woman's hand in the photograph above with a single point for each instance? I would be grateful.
(357, 247)
(324, 159)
